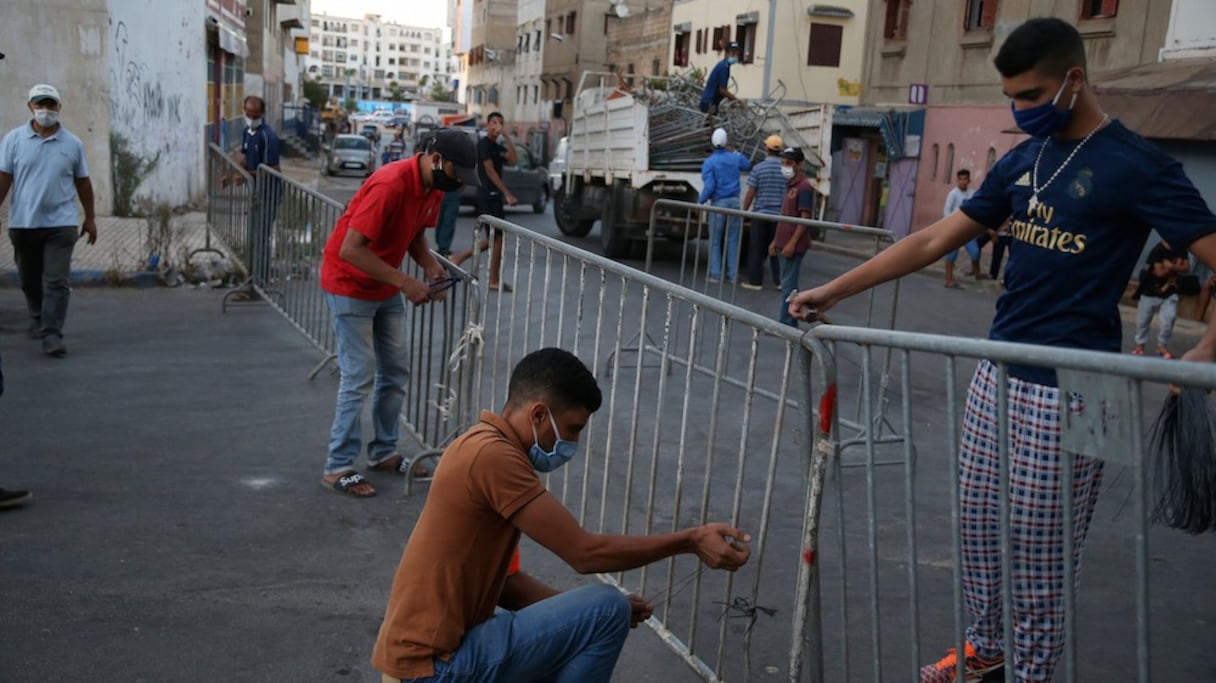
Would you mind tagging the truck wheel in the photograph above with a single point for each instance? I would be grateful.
(565, 214)
(612, 235)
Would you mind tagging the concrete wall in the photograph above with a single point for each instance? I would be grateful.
(973, 131)
(158, 93)
(791, 39)
(957, 64)
(61, 42)
(641, 38)
(522, 107)
(1192, 30)
(585, 50)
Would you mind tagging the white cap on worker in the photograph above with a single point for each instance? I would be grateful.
(719, 138)
(42, 91)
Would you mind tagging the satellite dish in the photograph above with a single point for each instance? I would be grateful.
(621, 10)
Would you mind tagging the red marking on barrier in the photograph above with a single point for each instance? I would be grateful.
(827, 408)
(808, 556)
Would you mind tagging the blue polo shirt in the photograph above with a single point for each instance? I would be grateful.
(718, 78)
(45, 171)
(720, 175)
(1071, 256)
(769, 184)
(260, 146)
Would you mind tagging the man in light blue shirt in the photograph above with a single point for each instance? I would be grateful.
(766, 186)
(720, 176)
(44, 165)
(959, 194)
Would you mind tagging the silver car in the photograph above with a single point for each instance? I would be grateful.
(349, 153)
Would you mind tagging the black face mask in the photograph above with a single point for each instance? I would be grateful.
(443, 182)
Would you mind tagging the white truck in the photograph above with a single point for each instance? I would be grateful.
(622, 155)
(608, 172)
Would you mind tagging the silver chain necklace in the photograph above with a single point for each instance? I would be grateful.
(1034, 178)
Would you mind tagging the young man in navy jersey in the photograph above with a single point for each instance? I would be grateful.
(1081, 197)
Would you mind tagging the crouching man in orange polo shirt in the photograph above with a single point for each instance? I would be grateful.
(457, 612)
(363, 283)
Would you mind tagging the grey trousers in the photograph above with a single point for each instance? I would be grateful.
(44, 262)
(1148, 307)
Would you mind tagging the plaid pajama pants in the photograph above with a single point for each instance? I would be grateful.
(1036, 509)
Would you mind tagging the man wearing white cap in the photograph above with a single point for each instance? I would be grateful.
(45, 167)
(720, 187)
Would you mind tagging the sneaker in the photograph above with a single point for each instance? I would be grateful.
(754, 288)
(946, 670)
(10, 499)
(713, 281)
(53, 346)
(1164, 353)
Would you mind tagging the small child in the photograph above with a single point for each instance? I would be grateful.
(1158, 291)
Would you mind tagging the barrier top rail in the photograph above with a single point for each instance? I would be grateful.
(722, 308)
(313, 194)
(809, 222)
(1147, 369)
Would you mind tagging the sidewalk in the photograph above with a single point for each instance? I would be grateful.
(121, 254)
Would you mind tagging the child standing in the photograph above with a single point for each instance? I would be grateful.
(792, 241)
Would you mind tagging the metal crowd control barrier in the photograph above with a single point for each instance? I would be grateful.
(228, 202)
(882, 303)
(909, 522)
(678, 442)
(279, 227)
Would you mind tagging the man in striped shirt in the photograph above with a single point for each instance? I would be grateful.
(765, 192)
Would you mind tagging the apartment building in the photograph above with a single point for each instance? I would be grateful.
(576, 41)
(640, 38)
(937, 57)
(800, 51)
(523, 107)
(370, 58)
(490, 60)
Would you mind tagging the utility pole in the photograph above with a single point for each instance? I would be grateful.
(768, 48)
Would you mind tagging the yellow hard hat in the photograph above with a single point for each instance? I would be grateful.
(775, 143)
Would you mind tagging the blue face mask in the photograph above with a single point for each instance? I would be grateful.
(732, 60)
(563, 451)
(1046, 119)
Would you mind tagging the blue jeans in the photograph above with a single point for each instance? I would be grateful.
(717, 222)
(445, 228)
(973, 250)
(574, 637)
(370, 339)
(789, 284)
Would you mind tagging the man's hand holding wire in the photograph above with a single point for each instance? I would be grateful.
(721, 546)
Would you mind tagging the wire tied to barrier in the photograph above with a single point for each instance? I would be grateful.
(472, 337)
(740, 607)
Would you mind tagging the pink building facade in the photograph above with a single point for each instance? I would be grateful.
(958, 137)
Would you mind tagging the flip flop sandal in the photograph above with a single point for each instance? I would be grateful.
(346, 483)
(502, 287)
(396, 465)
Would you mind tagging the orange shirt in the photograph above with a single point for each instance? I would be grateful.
(457, 560)
(390, 210)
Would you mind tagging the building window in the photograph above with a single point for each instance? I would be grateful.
(1099, 9)
(949, 174)
(537, 43)
(680, 53)
(991, 159)
(654, 67)
(933, 168)
(700, 47)
(824, 48)
(493, 97)
(745, 36)
(721, 38)
(535, 94)
(981, 15)
(895, 27)
(570, 23)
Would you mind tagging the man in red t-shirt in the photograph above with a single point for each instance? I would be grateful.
(363, 282)
(792, 241)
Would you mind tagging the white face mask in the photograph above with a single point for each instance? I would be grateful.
(252, 123)
(47, 118)
(787, 171)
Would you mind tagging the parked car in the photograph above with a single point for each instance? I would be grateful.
(370, 131)
(527, 180)
(349, 153)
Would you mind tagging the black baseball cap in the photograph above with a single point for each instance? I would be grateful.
(457, 147)
(733, 47)
(793, 154)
